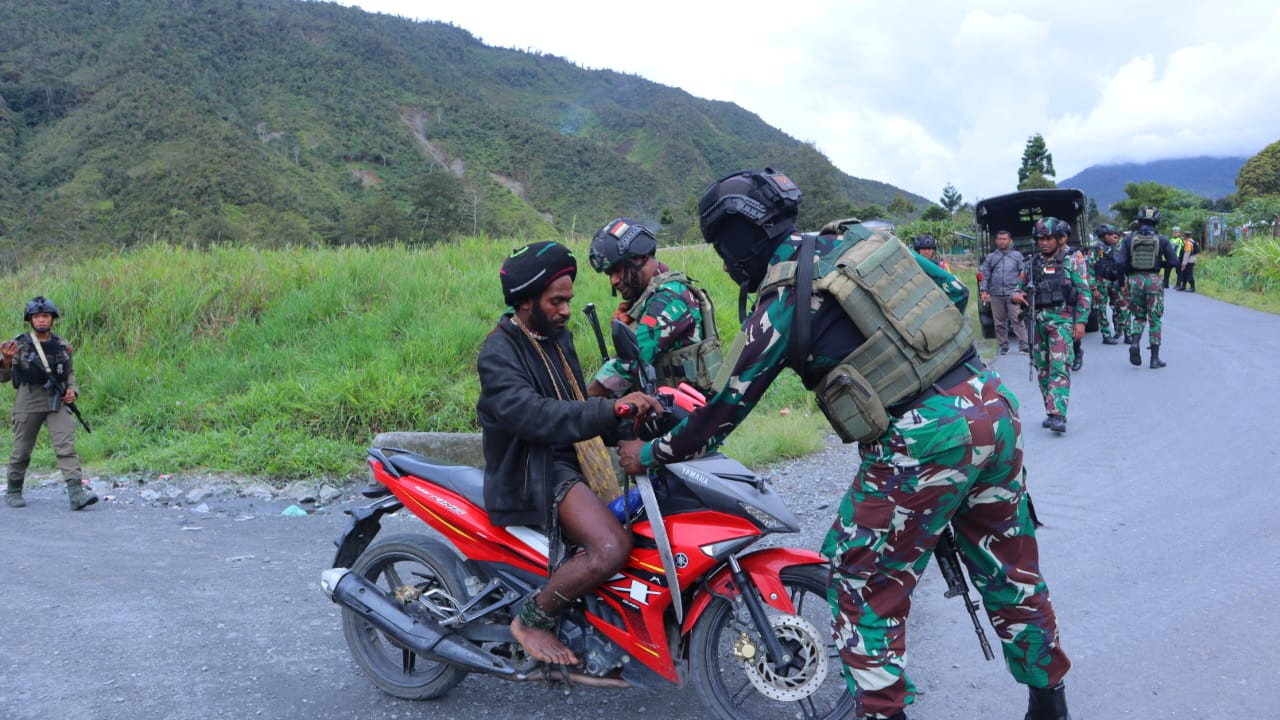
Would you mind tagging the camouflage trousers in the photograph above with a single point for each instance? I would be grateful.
(1115, 294)
(1051, 352)
(1146, 302)
(957, 458)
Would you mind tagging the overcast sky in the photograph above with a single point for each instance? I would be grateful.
(919, 94)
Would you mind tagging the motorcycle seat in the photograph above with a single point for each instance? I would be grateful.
(462, 479)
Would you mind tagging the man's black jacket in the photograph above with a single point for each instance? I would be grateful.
(523, 422)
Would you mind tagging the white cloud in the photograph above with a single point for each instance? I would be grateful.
(922, 94)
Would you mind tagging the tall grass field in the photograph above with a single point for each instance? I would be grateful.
(285, 364)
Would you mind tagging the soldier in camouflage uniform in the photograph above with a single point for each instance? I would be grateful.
(34, 361)
(1107, 288)
(1081, 267)
(950, 452)
(1059, 294)
(1141, 256)
(673, 318)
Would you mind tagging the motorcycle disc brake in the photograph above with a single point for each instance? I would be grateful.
(807, 670)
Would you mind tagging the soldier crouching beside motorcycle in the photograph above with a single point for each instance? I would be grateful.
(545, 461)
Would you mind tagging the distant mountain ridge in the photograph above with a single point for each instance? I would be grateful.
(290, 122)
(1211, 177)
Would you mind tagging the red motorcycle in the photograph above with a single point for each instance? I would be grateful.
(419, 615)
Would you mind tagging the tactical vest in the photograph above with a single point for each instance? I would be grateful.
(1144, 252)
(1052, 287)
(1106, 266)
(696, 364)
(27, 368)
(914, 333)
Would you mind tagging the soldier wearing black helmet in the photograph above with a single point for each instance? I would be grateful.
(927, 246)
(673, 319)
(37, 362)
(936, 430)
(1108, 290)
(1141, 257)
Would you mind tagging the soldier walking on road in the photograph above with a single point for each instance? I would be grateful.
(1141, 256)
(999, 276)
(1061, 301)
(1107, 288)
(39, 363)
(939, 433)
(1081, 267)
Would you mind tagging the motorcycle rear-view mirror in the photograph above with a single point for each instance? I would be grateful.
(625, 344)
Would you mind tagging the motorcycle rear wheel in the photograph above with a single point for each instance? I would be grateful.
(414, 566)
(735, 683)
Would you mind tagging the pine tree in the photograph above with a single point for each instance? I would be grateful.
(1036, 161)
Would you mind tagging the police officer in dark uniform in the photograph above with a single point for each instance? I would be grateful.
(39, 363)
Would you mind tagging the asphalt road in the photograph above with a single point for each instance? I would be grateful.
(1160, 550)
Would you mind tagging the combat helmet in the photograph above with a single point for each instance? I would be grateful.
(619, 240)
(924, 242)
(766, 199)
(1105, 229)
(1051, 226)
(1149, 216)
(39, 304)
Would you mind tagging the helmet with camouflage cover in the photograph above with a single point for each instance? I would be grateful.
(1105, 229)
(39, 304)
(621, 239)
(1051, 227)
(745, 216)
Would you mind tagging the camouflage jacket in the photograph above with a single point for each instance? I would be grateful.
(762, 349)
(670, 319)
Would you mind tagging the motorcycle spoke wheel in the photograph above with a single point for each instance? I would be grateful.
(735, 681)
(413, 568)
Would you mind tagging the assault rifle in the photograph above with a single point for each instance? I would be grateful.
(949, 563)
(59, 389)
(590, 311)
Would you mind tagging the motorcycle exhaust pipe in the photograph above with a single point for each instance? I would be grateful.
(423, 636)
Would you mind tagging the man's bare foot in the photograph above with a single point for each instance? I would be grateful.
(542, 644)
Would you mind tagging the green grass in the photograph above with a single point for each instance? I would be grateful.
(1250, 277)
(286, 363)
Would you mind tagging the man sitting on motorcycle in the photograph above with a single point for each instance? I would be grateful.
(539, 432)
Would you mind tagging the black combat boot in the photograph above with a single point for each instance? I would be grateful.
(1110, 340)
(1077, 359)
(1046, 422)
(1156, 362)
(1135, 352)
(1057, 423)
(79, 496)
(1048, 703)
(13, 494)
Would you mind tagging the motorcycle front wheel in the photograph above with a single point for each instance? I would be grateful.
(733, 676)
(413, 569)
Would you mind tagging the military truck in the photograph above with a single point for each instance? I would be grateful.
(1018, 212)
